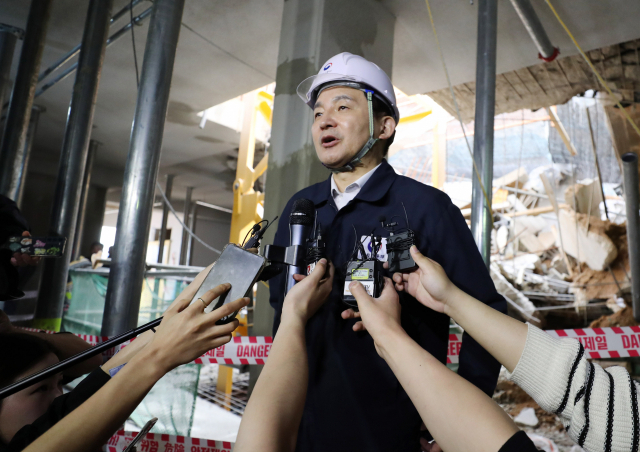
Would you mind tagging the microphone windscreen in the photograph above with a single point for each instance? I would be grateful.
(302, 212)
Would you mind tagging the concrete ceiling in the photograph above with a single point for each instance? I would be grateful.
(228, 48)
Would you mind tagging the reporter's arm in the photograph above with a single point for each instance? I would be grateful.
(270, 421)
(459, 415)
(185, 333)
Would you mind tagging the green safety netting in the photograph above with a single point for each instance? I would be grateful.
(172, 399)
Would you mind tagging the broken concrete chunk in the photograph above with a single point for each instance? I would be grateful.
(587, 197)
(516, 179)
(530, 243)
(506, 289)
(533, 224)
(516, 203)
(593, 248)
(527, 417)
(547, 239)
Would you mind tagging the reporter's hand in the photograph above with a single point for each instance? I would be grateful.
(306, 297)
(186, 332)
(380, 316)
(22, 259)
(428, 284)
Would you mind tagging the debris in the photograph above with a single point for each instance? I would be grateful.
(547, 239)
(530, 243)
(587, 197)
(506, 289)
(623, 317)
(515, 179)
(530, 223)
(543, 443)
(592, 247)
(527, 417)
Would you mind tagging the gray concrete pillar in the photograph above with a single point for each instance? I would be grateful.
(312, 32)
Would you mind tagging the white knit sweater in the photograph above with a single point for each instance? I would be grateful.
(598, 407)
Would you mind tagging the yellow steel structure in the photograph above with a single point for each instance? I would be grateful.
(246, 200)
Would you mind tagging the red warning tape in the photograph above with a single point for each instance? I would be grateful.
(156, 442)
(617, 342)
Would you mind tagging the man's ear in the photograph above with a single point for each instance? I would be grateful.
(387, 128)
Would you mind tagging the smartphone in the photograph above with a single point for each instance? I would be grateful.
(235, 266)
(147, 427)
(38, 246)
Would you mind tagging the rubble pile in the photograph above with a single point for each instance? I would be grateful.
(556, 257)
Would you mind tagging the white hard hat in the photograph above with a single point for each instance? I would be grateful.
(351, 70)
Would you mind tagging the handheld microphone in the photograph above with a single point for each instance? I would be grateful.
(300, 224)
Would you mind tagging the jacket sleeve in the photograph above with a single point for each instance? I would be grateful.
(277, 284)
(597, 406)
(60, 407)
(452, 246)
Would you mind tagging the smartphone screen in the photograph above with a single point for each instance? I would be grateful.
(235, 266)
(38, 246)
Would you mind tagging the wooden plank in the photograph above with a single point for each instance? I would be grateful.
(563, 133)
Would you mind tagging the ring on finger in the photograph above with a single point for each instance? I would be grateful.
(203, 302)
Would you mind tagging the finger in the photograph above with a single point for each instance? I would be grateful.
(190, 291)
(397, 277)
(359, 292)
(359, 326)
(350, 314)
(298, 277)
(211, 295)
(220, 341)
(26, 234)
(223, 330)
(318, 272)
(420, 259)
(14, 262)
(229, 308)
(385, 265)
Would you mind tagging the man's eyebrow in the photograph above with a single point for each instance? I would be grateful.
(335, 99)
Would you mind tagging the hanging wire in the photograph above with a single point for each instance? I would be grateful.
(593, 68)
(186, 228)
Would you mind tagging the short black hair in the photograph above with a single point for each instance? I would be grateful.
(381, 109)
(19, 352)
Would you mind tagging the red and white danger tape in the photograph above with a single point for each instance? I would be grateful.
(156, 442)
(616, 342)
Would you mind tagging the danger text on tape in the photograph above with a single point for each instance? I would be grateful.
(156, 442)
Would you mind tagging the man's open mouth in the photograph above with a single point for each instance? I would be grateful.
(329, 141)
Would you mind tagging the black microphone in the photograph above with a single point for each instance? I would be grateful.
(300, 225)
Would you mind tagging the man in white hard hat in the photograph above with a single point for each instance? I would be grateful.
(354, 401)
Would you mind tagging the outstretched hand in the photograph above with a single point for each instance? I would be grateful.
(428, 284)
(306, 297)
(380, 316)
(187, 332)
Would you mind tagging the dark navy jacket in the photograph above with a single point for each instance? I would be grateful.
(354, 402)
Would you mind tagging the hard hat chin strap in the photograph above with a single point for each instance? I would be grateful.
(367, 146)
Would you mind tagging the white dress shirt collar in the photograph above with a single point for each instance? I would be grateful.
(342, 199)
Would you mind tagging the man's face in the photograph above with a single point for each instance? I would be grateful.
(24, 407)
(340, 126)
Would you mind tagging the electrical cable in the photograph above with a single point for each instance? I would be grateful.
(593, 68)
(186, 228)
(455, 103)
(133, 43)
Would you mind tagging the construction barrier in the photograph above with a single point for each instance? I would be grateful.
(156, 442)
(616, 342)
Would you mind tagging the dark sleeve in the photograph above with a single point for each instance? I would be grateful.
(277, 284)
(452, 246)
(519, 442)
(60, 407)
(11, 220)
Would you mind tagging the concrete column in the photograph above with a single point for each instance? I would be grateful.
(19, 183)
(134, 219)
(7, 46)
(165, 217)
(84, 197)
(73, 160)
(17, 122)
(185, 234)
(481, 220)
(312, 32)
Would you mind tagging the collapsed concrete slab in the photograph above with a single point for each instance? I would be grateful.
(592, 247)
(587, 197)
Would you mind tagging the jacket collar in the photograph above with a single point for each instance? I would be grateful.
(375, 188)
